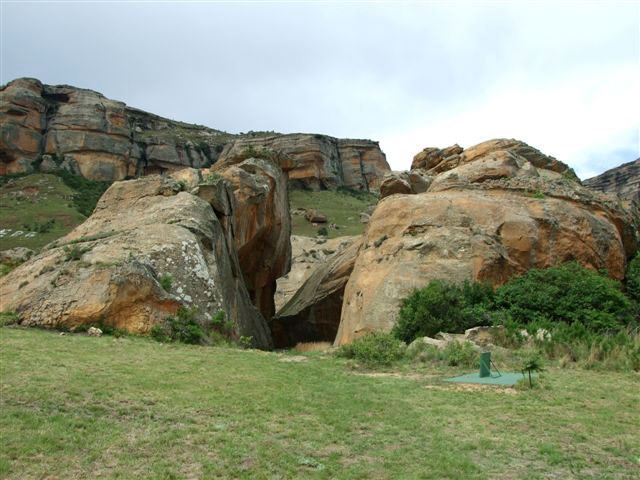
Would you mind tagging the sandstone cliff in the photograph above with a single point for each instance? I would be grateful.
(485, 213)
(108, 269)
(319, 161)
(102, 139)
(623, 181)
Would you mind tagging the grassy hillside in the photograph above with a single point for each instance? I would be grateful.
(29, 203)
(342, 207)
(36, 209)
(81, 407)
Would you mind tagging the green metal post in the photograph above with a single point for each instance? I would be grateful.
(485, 364)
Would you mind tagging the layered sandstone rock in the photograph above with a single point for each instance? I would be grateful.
(22, 120)
(623, 181)
(318, 161)
(313, 313)
(491, 212)
(107, 270)
(307, 254)
(261, 227)
(102, 139)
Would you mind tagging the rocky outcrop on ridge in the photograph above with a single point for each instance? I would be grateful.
(491, 212)
(80, 130)
(108, 269)
(318, 161)
(623, 181)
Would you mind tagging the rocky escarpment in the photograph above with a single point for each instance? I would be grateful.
(319, 162)
(108, 269)
(490, 212)
(623, 181)
(60, 126)
(484, 213)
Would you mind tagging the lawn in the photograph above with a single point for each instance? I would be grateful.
(80, 407)
(341, 207)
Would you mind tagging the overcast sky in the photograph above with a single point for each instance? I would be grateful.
(562, 77)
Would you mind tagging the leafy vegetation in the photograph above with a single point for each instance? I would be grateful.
(374, 349)
(166, 281)
(566, 294)
(88, 192)
(182, 327)
(75, 406)
(632, 280)
(443, 307)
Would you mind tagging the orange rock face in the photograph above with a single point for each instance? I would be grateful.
(499, 209)
(262, 226)
(107, 269)
(318, 161)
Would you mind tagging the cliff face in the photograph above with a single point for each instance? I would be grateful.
(623, 181)
(102, 139)
(319, 162)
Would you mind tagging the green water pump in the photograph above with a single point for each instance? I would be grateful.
(485, 364)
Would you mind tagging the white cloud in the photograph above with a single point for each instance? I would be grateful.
(576, 119)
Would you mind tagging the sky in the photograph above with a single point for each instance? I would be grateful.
(561, 76)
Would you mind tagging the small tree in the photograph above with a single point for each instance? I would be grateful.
(533, 363)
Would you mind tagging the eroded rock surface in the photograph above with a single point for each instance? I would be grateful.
(319, 161)
(313, 313)
(107, 270)
(307, 254)
(491, 212)
(623, 181)
(262, 226)
(60, 126)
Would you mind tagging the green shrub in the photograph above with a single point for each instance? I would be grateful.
(566, 294)
(460, 354)
(181, 327)
(211, 178)
(8, 318)
(75, 252)
(166, 281)
(374, 349)
(442, 306)
(88, 191)
(322, 231)
(632, 279)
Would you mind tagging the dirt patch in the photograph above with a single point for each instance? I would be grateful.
(473, 387)
(293, 359)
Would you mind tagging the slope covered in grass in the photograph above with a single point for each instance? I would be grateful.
(82, 407)
(341, 207)
(27, 203)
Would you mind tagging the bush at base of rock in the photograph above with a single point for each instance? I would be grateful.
(566, 294)
(443, 307)
(374, 349)
(181, 327)
(540, 299)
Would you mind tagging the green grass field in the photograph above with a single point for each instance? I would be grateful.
(341, 208)
(35, 198)
(80, 407)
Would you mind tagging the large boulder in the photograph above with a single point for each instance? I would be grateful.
(313, 313)
(108, 269)
(261, 227)
(492, 211)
